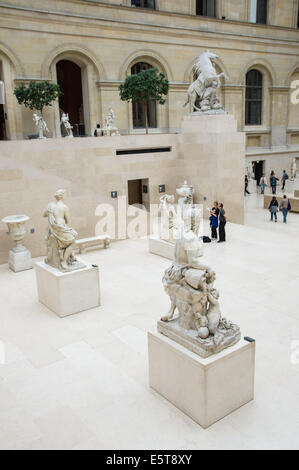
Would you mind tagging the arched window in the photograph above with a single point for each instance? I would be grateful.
(258, 11)
(69, 78)
(254, 97)
(206, 8)
(139, 121)
(143, 4)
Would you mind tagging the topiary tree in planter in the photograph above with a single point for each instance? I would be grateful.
(37, 95)
(145, 86)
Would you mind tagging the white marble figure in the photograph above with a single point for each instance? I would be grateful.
(169, 218)
(294, 169)
(202, 93)
(67, 125)
(110, 128)
(60, 237)
(190, 286)
(41, 125)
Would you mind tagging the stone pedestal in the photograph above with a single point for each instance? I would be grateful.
(161, 248)
(214, 155)
(207, 390)
(19, 260)
(70, 292)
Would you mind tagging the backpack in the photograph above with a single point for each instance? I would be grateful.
(286, 177)
(289, 207)
(206, 240)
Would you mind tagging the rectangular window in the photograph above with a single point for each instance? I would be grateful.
(143, 4)
(258, 11)
(206, 8)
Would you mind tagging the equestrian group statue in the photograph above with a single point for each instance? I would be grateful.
(202, 94)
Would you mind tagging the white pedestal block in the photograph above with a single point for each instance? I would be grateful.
(68, 293)
(20, 261)
(207, 390)
(161, 248)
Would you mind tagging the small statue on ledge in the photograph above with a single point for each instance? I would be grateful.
(67, 125)
(41, 125)
(110, 128)
(60, 237)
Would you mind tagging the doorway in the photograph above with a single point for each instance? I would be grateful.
(258, 169)
(69, 78)
(2, 123)
(138, 193)
(2, 107)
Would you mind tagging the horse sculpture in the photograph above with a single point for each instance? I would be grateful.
(202, 92)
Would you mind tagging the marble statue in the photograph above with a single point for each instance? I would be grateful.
(67, 125)
(60, 237)
(41, 125)
(250, 172)
(110, 128)
(169, 218)
(189, 283)
(202, 93)
(294, 169)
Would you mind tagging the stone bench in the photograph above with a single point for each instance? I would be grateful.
(99, 240)
(293, 200)
(296, 193)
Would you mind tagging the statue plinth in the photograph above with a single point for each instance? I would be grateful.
(207, 390)
(67, 293)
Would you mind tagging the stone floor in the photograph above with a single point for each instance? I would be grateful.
(81, 382)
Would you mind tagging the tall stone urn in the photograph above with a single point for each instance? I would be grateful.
(19, 256)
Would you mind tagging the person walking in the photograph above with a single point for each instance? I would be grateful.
(285, 207)
(214, 224)
(273, 208)
(284, 179)
(246, 186)
(263, 183)
(273, 182)
(222, 224)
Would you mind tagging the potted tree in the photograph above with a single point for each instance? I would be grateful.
(145, 86)
(36, 96)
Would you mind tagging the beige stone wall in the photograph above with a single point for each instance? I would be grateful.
(31, 171)
(106, 38)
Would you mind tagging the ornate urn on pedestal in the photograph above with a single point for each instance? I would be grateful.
(19, 256)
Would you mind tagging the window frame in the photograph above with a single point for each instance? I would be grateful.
(138, 108)
(142, 4)
(205, 7)
(253, 118)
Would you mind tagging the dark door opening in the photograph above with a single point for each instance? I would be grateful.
(135, 192)
(258, 169)
(2, 123)
(139, 193)
(69, 78)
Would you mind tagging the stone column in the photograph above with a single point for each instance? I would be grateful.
(234, 102)
(279, 115)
